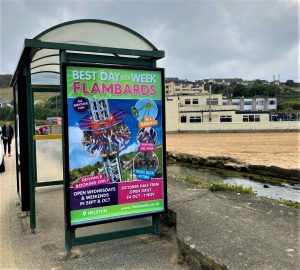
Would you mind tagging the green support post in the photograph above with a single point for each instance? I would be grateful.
(30, 153)
(69, 234)
(156, 224)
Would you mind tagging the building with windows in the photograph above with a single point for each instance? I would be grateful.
(213, 113)
(174, 86)
(253, 104)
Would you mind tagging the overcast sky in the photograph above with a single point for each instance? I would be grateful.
(201, 39)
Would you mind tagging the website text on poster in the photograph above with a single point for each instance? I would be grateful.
(115, 143)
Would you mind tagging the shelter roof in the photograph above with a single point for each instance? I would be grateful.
(95, 37)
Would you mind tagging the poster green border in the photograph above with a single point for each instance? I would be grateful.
(66, 145)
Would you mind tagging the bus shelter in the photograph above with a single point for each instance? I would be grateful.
(67, 56)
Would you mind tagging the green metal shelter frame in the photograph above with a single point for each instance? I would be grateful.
(79, 41)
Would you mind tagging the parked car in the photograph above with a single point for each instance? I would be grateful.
(2, 165)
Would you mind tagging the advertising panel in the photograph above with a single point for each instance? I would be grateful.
(115, 143)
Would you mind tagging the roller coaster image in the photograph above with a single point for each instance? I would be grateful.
(106, 134)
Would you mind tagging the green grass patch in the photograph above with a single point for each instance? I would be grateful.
(6, 93)
(193, 180)
(218, 186)
(227, 187)
(290, 203)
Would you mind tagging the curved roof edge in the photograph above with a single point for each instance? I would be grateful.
(96, 21)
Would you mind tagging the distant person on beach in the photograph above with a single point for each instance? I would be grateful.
(7, 136)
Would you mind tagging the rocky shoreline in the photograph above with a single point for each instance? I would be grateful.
(228, 163)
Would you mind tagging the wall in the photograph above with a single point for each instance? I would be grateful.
(254, 126)
(172, 113)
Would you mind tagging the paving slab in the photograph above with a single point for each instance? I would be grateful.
(227, 230)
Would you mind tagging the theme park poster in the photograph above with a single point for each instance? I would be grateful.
(114, 136)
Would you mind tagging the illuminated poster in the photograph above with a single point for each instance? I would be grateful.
(115, 148)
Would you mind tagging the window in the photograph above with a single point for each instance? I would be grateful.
(183, 119)
(195, 101)
(272, 102)
(259, 102)
(187, 101)
(226, 118)
(212, 101)
(195, 119)
(251, 118)
(247, 102)
(236, 102)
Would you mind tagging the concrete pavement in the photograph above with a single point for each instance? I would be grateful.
(213, 231)
(20, 249)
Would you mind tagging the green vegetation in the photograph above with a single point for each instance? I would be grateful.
(193, 180)
(49, 108)
(75, 174)
(6, 114)
(289, 104)
(257, 88)
(46, 105)
(226, 187)
(290, 203)
(6, 93)
(218, 186)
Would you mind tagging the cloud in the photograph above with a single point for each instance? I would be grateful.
(201, 39)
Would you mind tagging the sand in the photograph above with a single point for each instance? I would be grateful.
(277, 149)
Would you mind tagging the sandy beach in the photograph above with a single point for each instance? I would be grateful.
(278, 149)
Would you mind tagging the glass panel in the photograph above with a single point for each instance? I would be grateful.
(46, 60)
(96, 34)
(226, 118)
(195, 119)
(48, 68)
(251, 118)
(44, 52)
(47, 112)
(45, 78)
(49, 160)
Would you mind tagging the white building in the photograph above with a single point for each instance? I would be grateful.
(212, 113)
(253, 104)
(174, 86)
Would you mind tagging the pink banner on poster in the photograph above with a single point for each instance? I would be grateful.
(146, 147)
(91, 181)
(140, 191)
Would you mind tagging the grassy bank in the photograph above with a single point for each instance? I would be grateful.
(219, 186)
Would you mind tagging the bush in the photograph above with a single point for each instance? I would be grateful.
(6, 113)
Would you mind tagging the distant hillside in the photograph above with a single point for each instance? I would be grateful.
(5, 80)
(6, 93)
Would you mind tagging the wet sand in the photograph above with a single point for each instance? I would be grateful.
(277, 149)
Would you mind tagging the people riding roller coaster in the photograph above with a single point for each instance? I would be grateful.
(105, 123)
